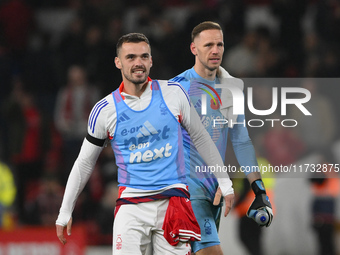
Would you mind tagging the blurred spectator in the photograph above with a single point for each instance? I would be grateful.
(149, 20)
(250, 233)
(13, 117)
(145, 19)
(39, 68)
(313, 53)
(114, 30)
(6, 69)
(107, 165)
(167, 63)
(290, 14)
(197, 13)
(232, 15)
(316, 131)
(325, 187)
(91, 12)
(329, 66)
(262, 99)
(47, 3)
(53, 156)
(269, 59)
(16, 21)
(240, 60)
(72, 47)
(24, 125)
(110, 74)
(256, 55)
(109, 9)
(7, 194)
(327, 21)
(105, 217)
(281, 145)
(43, 201)
(95, 55)
(73, 106)
(321, 59)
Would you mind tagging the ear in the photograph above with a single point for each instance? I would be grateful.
(118, 63)
(193, 48)
(151, 61)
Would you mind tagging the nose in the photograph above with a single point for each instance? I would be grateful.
(139, 61)
(215, 49)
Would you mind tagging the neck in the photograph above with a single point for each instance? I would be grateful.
(205, 73)
(134, 89)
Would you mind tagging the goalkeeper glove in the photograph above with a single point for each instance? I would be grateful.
(261, 202)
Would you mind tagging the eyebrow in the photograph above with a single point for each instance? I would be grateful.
(134, 55)
(218, 43)
(130, 55)
(146, 55)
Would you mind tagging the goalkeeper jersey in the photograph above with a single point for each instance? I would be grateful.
(202, 184)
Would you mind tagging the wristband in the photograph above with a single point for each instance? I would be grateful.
(226, 186)
(258, 187)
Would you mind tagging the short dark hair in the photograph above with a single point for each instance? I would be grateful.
(131, 38)
(206, 25)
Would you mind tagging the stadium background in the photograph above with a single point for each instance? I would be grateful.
(40, 40)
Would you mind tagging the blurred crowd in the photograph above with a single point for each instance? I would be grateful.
(57, 60)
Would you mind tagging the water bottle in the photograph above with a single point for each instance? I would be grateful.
(261, 217)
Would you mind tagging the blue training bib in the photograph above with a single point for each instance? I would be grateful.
(148, 144)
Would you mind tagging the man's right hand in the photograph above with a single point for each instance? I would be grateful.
(60, 231)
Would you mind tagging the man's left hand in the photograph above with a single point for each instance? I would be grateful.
(228, 199)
